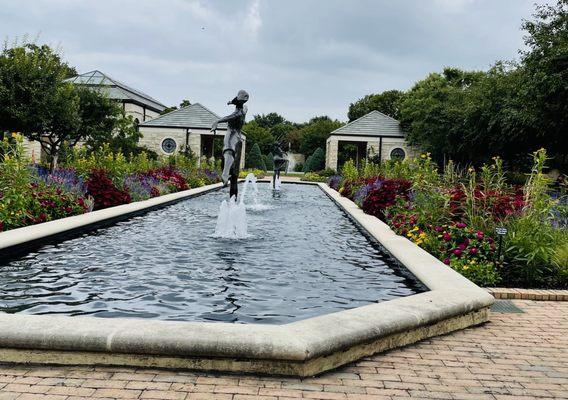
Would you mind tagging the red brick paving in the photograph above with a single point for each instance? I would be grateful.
(514, 357)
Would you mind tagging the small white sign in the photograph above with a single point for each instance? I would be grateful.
(501, 231)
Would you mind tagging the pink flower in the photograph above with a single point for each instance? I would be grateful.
(457, 252)
(461, 225)
(473, 250)
(447, 261)
(461, 246)
(446, 236)
(480, 235)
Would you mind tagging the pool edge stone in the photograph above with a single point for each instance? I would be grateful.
(303, 348)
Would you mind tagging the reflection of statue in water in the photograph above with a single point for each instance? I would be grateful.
(280, 161)
(233, 142)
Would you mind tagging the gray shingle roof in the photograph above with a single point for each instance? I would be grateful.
(192, 116)
(115, 89)
(373, 124)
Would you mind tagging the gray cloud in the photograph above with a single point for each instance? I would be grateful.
(297, 57)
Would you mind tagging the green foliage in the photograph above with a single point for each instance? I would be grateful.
(316, 162)
(349, 172)
(259, 136)
(14, 183)
(254, 159)
(532, 241)
(313, 177)
(316, 132)
(270, 120)
(386, 102)
(512, 109)
(269, 162)
(257, 172)
(35, 100)
(483, 273)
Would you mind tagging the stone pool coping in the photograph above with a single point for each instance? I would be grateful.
(301, 348)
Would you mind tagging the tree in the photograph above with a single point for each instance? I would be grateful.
(434, 113)
(316, 162)
(386, 102)
(316, 133)
(269, 120)
(184, 103)
(254, 158)
(99, 116)
(35, 100)
(269, 162)
(256, 134)
(545, 75)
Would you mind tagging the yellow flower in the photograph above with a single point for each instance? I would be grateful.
(422, 155)
(465, 267)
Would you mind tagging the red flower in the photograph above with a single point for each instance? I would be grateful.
(473, 250)
(447, 237)
(447, 261)
(457, 252)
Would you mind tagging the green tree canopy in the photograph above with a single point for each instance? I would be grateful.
(387, 102)
(35, 100)
(269, 120)
(316, 132)
(258, 135)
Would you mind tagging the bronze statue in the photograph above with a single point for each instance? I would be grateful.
(233, 142)
(279, 159)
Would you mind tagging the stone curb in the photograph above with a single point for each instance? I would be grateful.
(301, 348)
(528, 294)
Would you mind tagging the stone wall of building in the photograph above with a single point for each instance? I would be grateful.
(137, 112)
(373, 145)
(152, 138)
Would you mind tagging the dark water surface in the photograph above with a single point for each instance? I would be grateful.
(305, 258)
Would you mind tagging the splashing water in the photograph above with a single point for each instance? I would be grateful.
(256, 204)
(232, 220)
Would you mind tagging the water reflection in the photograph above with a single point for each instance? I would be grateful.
(304, 258)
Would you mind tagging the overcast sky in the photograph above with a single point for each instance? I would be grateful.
(300, 58)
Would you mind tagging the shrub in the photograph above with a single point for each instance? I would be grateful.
(104, 192)
(313, 177)
(382, 194)
(299, 167)
(316, 162)
(254, 159)
(269, 162)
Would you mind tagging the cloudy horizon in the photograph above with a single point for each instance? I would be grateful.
(300, 58)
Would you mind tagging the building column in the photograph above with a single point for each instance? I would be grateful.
(243, 149)
(331, 150)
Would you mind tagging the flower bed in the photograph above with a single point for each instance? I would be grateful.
(31, 194)
(454, 216)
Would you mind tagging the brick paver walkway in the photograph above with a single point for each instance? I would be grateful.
(515, 356)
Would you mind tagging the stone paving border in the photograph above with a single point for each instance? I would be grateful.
(302, 348)
(513, 357)
(529, 294)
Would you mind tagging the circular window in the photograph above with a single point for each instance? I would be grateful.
(169, 145)
(397, 154)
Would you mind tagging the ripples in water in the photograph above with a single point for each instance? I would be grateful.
(304, 258)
